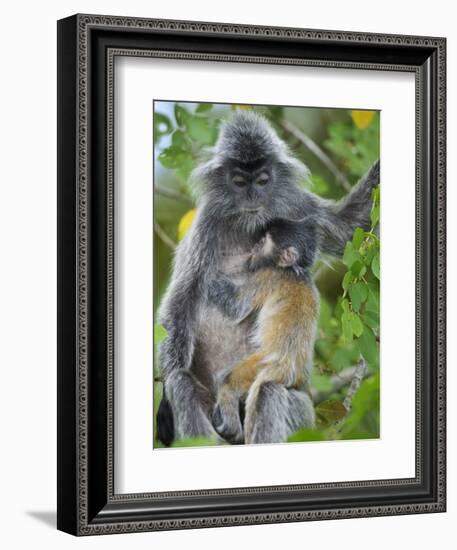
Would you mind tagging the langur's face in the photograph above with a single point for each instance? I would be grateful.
(250, 187)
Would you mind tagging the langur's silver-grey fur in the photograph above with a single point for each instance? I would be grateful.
(249, 179)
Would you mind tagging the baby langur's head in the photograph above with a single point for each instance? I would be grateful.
(286, 244)
(251, 175)
(267, 252)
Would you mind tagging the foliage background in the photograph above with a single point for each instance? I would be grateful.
(338, 146)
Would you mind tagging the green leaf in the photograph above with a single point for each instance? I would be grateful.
(306, 435)
(162, 126)
(173, 157)
(346, 325)
(376, 194)
(358, 293)
(178, 139)
(160, 333)
(347, 279)
(374, 215)
(370, 252)
(345, 305)
(371, 318)
(358, 268)
(181, 115)
(373, 296)
(375, 267)
(356, 324)
(367, 345)
(350, 255)
(330, 411)
(200, 130)
(358, 237)
(345, 356)
(204, 107)
(185, 168)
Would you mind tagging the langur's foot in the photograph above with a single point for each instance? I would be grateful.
(228, 424)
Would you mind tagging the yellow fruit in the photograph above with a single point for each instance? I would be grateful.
(362, 119)
(185, 222)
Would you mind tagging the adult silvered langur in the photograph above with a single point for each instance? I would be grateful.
(247, 187)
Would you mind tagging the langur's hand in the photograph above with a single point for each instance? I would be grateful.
(288, 257)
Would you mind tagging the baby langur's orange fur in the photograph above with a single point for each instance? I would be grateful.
(285, 331)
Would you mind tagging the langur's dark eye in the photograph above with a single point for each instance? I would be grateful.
(263, 179)
(239, 181)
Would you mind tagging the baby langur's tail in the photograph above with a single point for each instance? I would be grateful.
(273, 376)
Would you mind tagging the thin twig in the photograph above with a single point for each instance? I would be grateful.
(338, 381)
(170, 194)
(321, 267)
(317, 151)
(164, 237)
(359, 375)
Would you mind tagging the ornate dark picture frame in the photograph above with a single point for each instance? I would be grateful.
(87, 46)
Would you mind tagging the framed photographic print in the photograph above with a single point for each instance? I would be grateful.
(251, 274)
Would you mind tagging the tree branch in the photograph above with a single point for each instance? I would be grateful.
(359, 375)
(312, 146)
(170, 194)
(164, 237)
(339, 381)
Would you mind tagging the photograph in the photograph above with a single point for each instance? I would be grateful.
(266, 274)
(226, 248)
(251, 272)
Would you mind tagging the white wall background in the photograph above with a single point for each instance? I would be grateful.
(28, 271)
